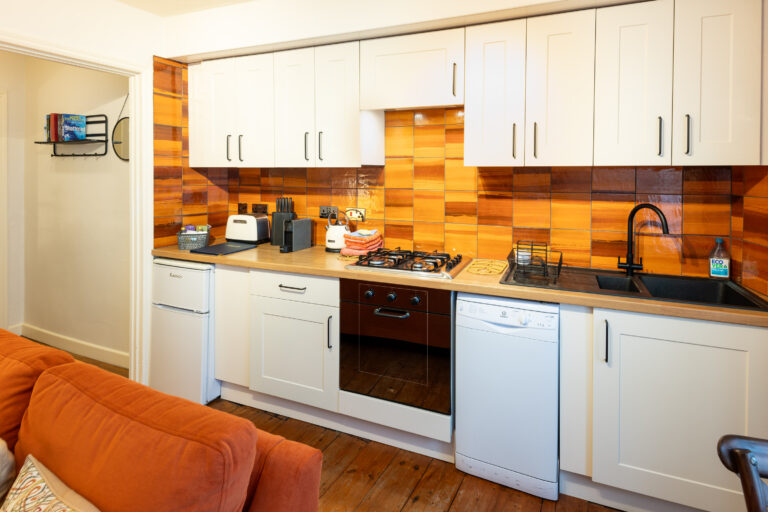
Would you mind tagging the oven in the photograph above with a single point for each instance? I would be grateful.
(396, 344)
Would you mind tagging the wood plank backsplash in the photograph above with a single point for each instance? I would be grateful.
(425, 198)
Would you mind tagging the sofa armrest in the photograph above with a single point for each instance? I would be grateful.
(286, 476)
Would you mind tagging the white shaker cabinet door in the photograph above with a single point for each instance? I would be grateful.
(633, 84)
(417, 70)
(295, 351)
(560, 83)
(254, 110)
(219, 112)
(717, 82)
(295, 108)
(665, 391)
(494, 110)
(337, 105)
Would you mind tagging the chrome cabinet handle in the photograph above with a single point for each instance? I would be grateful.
(228, 137)
(535, 139)
(606, 341)
(320, 145)
(329, 332)
(454, 79)
(292, 288)
(687, 134)
(306, 146)
(514, 140)
(240, 147)
(661, 137)
(391, 313)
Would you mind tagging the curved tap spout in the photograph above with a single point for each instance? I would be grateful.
(630, 265)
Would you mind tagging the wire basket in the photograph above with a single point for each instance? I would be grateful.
(195, 240)
(535, 260)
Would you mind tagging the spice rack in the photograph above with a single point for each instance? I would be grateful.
(98, 135)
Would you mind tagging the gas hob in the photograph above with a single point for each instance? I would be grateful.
(434, 265)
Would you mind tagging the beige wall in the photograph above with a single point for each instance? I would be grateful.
(77, 221)
(13, 83)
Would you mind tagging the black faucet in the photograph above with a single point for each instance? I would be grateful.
(629, 265)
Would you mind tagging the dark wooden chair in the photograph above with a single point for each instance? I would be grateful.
(748, 458)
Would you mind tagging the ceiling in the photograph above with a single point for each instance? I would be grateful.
(173, 7)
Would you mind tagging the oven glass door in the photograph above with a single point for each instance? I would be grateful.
(398, 355)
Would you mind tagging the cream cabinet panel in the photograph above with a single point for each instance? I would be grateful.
(560, 89)
(219, 112)
(494, 110)
(665, 390)
(337, 105)
(295, 108)
(633, 84)
(418, 70)
(295, 351)
(255, 117)
(199, 129)
(232, 335)
(576, 341)
(717, 82)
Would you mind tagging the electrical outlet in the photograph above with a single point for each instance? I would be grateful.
(356, 214)
(326, 211)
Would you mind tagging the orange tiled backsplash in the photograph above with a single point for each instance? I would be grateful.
(425, 198)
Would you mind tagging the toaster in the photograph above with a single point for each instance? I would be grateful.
(249, 229)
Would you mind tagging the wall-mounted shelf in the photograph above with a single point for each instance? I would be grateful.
(98, 136)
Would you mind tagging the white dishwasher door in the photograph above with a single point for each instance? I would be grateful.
(507, 397)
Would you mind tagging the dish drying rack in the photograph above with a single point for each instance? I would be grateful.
(534, 261)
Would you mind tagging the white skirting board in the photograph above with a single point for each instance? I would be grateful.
(583, 487)
(80, 347)
(336, 421)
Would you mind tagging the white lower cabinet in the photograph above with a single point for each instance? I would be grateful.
(295, 349)
(232, 327)
(665, 390)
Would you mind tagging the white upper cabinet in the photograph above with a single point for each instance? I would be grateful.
(295, 108)
(633, 84)
(418, 70)
(231, 113)
(337, 105)
(717, 82)
(560, 83)
(665, 391)
(494, 110)
(254, 93)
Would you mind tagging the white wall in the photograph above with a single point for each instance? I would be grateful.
(77, 221)
(266, 25)
(13, 82)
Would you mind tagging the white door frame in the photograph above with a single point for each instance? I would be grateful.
(140, 181)
(3, 209)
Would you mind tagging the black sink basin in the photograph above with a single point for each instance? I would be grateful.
(617, 283)
(705, 291)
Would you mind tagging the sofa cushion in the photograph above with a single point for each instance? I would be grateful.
(37, 488)
(21, 363)
(124, 446)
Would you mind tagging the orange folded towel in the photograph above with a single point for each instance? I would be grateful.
(350, 251)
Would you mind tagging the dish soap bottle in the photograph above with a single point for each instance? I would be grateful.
(719, 261)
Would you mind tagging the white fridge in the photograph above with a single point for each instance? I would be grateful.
(181, 351)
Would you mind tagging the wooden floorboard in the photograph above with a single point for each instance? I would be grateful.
(362, 475)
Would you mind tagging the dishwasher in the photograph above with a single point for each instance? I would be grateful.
(507, 356)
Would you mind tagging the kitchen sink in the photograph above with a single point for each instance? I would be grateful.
(702, 290)
(617, 283)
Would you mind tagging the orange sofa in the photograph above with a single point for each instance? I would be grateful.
(124, 446)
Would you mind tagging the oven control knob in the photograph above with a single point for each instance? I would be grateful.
(449, 265)
(458, 258)
(369, 294)
(391, 296)
(415, 300)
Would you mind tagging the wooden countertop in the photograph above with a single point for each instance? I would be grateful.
(315, 261)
